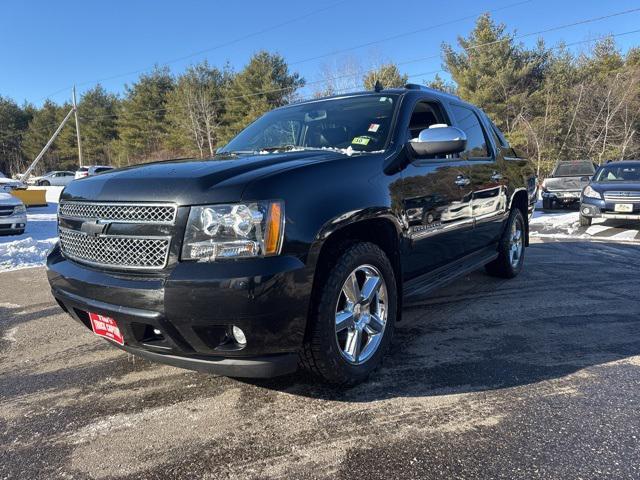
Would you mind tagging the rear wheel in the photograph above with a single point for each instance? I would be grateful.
(353, 317)
(585, 221)
(511, 248)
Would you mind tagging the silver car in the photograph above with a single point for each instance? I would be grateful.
(57, 178)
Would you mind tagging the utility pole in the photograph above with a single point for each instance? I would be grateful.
(75, 111)
(46, 147)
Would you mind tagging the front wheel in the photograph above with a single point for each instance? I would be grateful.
(547, 204)
(353, 316)
(511, 248)
(45, 183)
(585, 221)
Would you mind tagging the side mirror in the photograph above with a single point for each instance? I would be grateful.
(439, 140)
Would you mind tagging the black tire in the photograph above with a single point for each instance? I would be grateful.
(321, 354)
(503, 266)
(585, 221)
(44, 183)
(547, 204)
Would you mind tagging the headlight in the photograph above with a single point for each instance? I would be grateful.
(591, 193)
(19, 210)
(233, 231)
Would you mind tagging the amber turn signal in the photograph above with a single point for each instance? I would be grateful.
(273, 237)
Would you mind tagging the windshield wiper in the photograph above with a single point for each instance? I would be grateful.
(289, 148)
(239, 152)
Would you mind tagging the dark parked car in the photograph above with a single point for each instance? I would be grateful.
(614, 192)
(564, 185)
(295, 244)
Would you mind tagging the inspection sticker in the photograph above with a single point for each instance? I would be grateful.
(374, 127)
(361, 141)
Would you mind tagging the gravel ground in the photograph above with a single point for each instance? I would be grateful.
(536, 377)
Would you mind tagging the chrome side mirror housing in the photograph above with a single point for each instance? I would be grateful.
(439, 140)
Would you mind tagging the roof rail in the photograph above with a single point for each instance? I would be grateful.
(416, 86)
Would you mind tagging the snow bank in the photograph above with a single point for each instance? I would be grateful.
(53, 194)
(24, 253)
(30, 248)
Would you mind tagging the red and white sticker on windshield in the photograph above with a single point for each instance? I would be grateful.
(374, 127)
(106, 327)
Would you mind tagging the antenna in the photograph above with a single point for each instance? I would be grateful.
(378, 87)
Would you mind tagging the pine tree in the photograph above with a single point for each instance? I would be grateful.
(13, 125)
(388, 75)
(493, 72)
(141, 123)
(97, 111)
(245, 101)
(43, 124)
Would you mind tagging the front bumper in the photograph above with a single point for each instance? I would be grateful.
(12, 224)
(194, 306)
(599, 208)
(562, 197)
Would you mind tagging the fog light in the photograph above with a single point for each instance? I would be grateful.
(585, 211)
(238, 335)
(157, 332)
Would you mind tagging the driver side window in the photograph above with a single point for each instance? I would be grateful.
(424, 115)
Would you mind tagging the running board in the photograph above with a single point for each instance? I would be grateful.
(442, 276)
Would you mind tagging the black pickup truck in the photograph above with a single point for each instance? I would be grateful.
(297, 243)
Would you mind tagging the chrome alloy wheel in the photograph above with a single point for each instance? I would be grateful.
(516, 244)
(361, 314)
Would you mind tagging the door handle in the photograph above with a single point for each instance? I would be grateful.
(462, 181)
(496, 177)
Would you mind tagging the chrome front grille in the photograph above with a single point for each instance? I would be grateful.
(97, 234)
(622, 196)
(125, 252)
(120, 212)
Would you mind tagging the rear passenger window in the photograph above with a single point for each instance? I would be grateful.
(476, 141)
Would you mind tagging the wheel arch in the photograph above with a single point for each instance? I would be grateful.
(520, 200)
(382, 229)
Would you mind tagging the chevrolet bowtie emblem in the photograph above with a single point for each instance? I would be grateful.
(94, 228)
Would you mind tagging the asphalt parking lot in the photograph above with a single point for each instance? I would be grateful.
(536, 377)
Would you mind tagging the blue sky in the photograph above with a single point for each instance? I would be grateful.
(45, 46)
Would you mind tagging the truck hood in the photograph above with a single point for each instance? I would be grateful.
(188, 182)
(559, 184)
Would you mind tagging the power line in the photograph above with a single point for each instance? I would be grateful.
(340, 77)
(308, 59)
(317, 57)
(531, 34)
(433, 72)
(210, 49)
(415, 60)
(412, 32)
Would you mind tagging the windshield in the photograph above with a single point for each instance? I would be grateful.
(619, 173)
(353, 124)
(574, 169)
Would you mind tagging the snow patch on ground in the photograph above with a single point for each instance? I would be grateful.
(567, 222)
(30, 249)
